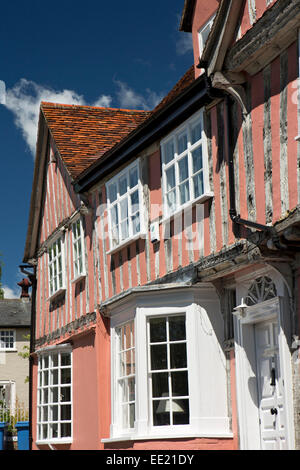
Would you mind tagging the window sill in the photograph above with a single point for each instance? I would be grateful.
(78, 278)
(56, 294)
(200, 200)
(125, 243)
(67, 440)
(8, 350)
(133, 437)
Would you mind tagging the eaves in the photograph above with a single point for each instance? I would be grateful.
(157, 125)
(274, 32)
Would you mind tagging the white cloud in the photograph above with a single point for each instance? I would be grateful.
(103, 101)
(130, 99)
(24, 99)
(184, 44)
(10, 293)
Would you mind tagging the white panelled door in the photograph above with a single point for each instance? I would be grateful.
(270, 387)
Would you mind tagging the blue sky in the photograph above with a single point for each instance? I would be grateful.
(118, 54)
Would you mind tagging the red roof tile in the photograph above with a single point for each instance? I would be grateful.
(84, 133)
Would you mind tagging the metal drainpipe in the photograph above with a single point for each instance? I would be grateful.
(32, 277)
(232, 210)
(217, 93)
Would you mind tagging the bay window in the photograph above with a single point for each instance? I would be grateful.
(164, 350)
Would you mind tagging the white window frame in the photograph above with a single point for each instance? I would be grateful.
(205, 421)
(207, 25)
(138, 187)
(7, 333)
(45, 388)
(202, 142)
(61, 287)
(78, 242)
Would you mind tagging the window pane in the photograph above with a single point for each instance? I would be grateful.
(65, 412)
(134, 202)
(136, 223)
(131, 415)
(66, 376)
(171, 200)
(181, 412)
(177, 328)
(179, 383)
(169, 151)
(112, 192)
(124, 230)
(54, 395)
(178, 355)
(198, 184)
(54, 377)
(65, 430)
(133, 177)
(170, 178)
(182, 143)
(65, 394)
(65, 359)
(197, 159)
(196, 132)
(160, 385)
(158, 331)
(123, 185)
(54, 413)
(114, 215)
(124, 209)
(184, 192)
(159, 357)
(161, 414)
(54, 430)
(183, 169)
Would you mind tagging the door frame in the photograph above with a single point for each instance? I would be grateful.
(246, 382)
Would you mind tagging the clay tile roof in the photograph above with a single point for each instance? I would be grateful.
(84, 133)
(187, 79)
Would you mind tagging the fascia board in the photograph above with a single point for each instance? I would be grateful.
(145, 135)
(37, 191)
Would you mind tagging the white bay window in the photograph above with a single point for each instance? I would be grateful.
(168, 368)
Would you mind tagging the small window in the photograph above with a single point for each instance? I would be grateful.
(7, 339)
(204, 33)
(184, 165)
(124, 205)
(78, 249)
(54, 403)
(56, 274)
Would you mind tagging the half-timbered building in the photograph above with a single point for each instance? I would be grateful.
(165, 247)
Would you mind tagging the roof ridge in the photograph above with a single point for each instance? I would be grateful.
(65, 105)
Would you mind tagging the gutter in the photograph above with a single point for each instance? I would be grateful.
(147, 133)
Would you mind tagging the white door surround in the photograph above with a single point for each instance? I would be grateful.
(265, 412)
